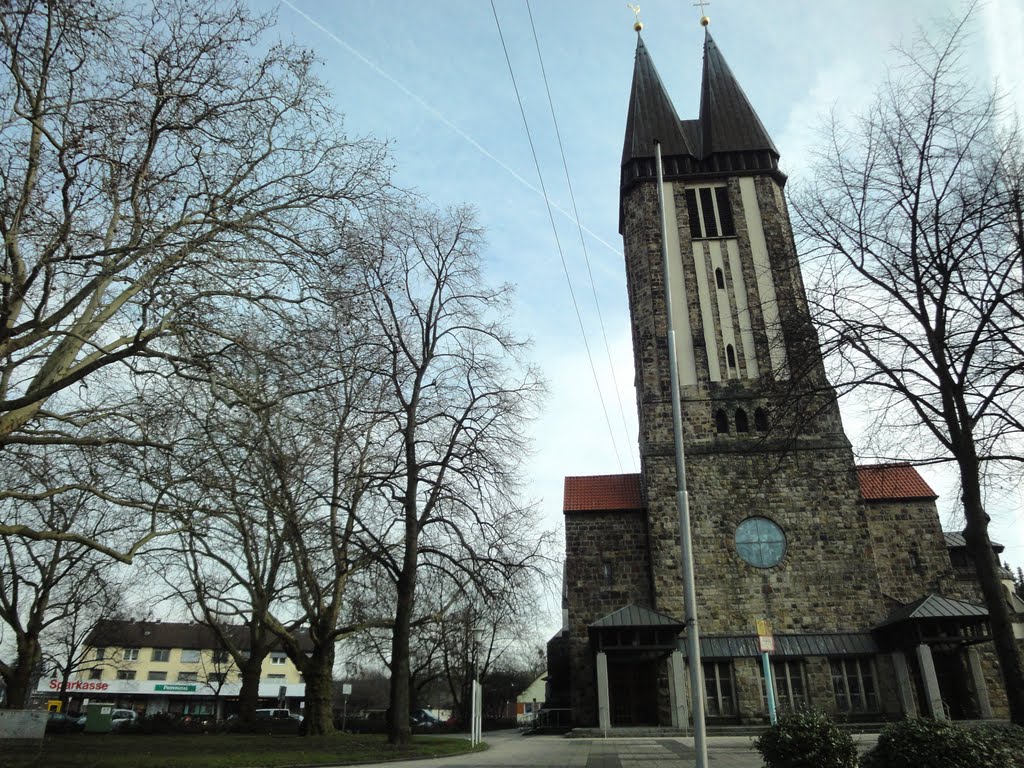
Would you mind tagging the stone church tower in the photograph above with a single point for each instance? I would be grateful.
(785, 527)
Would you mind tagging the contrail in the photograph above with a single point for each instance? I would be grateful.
(445, 121)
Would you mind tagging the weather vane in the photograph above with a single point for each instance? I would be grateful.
(637, 24)
(704, 18)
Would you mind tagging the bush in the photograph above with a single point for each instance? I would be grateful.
(806, 740)
(940, 744)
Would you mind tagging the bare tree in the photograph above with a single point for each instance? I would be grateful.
(914, 229)
(93, 594)
(159, 163)
(457, 401)
(46, 584)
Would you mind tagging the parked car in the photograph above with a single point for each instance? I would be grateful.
(275, 714)
(58, 722)
(123, 718)
(423, 719)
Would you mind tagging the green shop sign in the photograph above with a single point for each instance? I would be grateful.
(176, 687)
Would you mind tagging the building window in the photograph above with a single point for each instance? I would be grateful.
(126, 674)
(189, 656)
(742, 425)
(95, 673)
(131, 654)
(188, 677)
(760, 542)
(278, 657)
(156, 676)
(853, 682)
(730, 355)
(101, 653)
(606, 573)
(719, 690)
(719, 278)
(216, 677)
(710, 213)
(761, 420)
(276, 677)
(721, 422)
(790, 686)
(161, 654)
(220, 657)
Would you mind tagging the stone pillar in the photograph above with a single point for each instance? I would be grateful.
(978, 683)
(677, 691)
(931, 682)
(904, 684)
(604, 714)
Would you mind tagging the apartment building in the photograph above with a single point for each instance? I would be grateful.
(157, 666)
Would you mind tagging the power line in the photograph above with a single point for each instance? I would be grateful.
(558, 242)
(440, 117)
(579, 225)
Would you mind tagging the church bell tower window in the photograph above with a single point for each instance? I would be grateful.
(710, 213)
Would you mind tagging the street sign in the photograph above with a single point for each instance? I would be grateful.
(766, 644)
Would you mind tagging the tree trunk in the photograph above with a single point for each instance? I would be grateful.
(249, 693)
(19, 681)
(399, 730)
(319, 713)
(987, 567)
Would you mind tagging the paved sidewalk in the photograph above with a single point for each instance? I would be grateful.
(509, 749)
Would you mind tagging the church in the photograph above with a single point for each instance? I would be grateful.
(873, 610)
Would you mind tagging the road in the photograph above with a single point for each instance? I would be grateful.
(511, 750)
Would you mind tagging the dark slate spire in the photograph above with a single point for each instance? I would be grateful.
(651, 114)
(728, 122)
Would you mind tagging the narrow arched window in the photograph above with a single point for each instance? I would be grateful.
(721, 422)
(742, 425)
(720, 278)
(730, 355)
(761, 420)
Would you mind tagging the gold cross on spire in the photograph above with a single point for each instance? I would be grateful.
(637, 24)
(704, 18)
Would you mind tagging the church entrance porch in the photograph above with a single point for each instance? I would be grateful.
(936, 638)
(639, 669)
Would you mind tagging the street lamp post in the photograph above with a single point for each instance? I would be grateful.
(476, 706)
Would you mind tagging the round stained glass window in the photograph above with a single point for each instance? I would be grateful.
(760, 542)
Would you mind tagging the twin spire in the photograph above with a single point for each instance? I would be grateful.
(727, 124)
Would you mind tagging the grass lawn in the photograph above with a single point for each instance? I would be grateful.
(229, 750)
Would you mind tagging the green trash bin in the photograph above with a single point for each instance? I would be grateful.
(98, 718)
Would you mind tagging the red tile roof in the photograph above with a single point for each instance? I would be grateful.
(595, 493)
(886, 482)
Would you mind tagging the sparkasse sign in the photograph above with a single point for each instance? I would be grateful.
(79, 685)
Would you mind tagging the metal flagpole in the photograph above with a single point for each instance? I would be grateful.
(682, 499)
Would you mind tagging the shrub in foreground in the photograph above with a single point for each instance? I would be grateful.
(938, 744)
(806, 740)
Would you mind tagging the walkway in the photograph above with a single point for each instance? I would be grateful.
(511, 750)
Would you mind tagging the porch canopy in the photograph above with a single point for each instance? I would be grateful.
(936, 621)
(637, 629)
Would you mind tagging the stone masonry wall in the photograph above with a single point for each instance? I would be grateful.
(592, 540)
(915, 562)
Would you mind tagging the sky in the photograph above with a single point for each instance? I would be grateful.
(432, 79)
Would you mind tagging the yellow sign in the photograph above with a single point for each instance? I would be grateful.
(764, 628)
